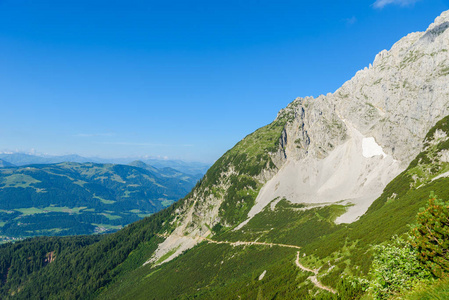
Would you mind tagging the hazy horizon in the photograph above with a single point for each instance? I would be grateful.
(143, 157)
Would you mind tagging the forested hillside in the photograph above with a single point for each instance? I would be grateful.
(73, 198)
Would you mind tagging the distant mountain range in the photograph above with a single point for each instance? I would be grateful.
(83, 198)
(22, 159)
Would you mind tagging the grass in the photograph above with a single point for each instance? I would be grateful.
(154, 272)
(287, 224)
(143, 215)
(223, 272)
(30, 211)
(111, 217)
(108, 226)
(239, 166)
(436, 290)
(64, 209)
(166, 202)
(104, 200)
(80, 182)
(19, 181)
(213, 271)
(167, 255)
(50, 231)
(444, 71)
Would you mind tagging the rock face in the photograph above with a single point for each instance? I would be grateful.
(346, 146)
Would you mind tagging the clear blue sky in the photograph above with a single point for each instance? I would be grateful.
(176, 78)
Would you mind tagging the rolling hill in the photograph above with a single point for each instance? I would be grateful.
(5, 164)
(74, 198)
(23, 159)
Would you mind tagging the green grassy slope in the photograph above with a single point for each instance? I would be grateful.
(81, 273)
(73, 198)
(211, 271)
(435, 290)
(247, 159)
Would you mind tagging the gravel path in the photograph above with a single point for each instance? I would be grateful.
(314, 278)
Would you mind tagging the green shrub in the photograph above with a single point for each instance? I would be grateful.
(395, 268)
(438, 289)
(351, 288)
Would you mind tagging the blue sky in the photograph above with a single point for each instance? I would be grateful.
(178, 79)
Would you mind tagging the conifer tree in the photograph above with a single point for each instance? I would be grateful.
(431, 235)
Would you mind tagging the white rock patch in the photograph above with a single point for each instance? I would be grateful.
(444, 156)
(262, 275)
(444, 175)
(371, 148)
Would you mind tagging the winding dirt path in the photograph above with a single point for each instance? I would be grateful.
(314, 278)
(240, 243)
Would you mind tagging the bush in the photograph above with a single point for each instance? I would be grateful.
(395, 268)
(351, 288)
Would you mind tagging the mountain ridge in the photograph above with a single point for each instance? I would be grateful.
(4, 164)
(22, 159)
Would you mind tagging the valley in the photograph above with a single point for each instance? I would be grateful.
(75, 198)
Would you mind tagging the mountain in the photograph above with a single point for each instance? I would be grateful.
(193, 168)
(73, 198)
(4, 164)
(341, 148)
(141, 164)
(291, 211)
(22, 159)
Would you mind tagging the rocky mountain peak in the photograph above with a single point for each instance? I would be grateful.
(440, 20)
